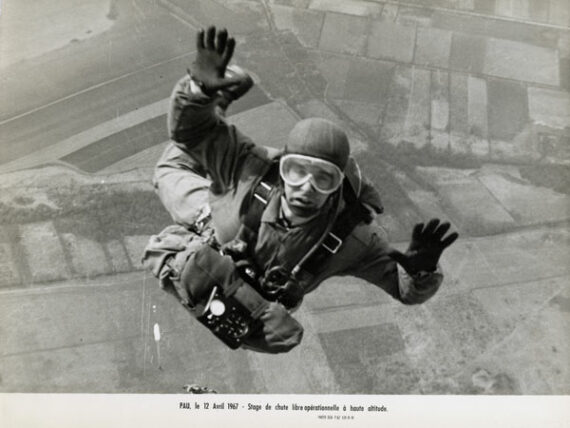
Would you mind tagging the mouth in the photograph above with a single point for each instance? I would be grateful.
(302, 206)
(299, 201)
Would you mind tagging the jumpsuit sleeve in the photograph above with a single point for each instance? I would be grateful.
(182, 186)
(204, 153)
(376, 267)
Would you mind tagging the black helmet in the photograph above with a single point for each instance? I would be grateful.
(319, 138)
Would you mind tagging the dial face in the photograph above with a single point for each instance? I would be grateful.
(217, 307)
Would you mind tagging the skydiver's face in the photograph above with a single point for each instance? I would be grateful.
(304, 200)
(308, 182)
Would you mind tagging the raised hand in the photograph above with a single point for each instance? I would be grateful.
(214, 52)
(426, 247)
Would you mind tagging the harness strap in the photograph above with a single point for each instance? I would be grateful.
(344, 224)
(258, 199)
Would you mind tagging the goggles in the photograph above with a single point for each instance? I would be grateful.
(296, 170)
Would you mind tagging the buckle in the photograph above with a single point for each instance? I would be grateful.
(263, 201)
(267, 189)
(333, 249)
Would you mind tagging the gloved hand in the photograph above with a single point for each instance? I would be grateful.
(214, 52)
(291, 294)
(281, 331)
(237, 91)
(426, 247)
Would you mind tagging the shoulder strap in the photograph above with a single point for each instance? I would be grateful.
(258, 199)
(353, 214)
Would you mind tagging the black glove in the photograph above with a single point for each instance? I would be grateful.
(426, 247)
(235, 92)
(281, 332)
(214, 54)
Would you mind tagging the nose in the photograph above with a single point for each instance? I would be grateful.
(307, 187)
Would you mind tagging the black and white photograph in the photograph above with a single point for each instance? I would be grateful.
(293, 201)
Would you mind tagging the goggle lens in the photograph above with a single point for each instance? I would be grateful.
(296, 170)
